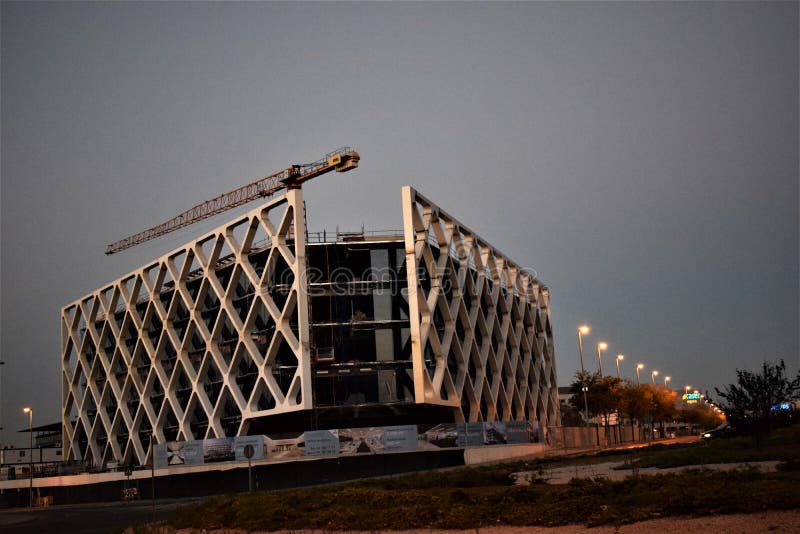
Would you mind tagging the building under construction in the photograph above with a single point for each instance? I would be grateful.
(260, 327)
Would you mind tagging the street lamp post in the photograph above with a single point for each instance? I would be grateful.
(582, 331)
(653, 375)
(601, 347)
(28, 410)
(639, 366)
(667, 379)
(153, 474)
(619, 427)
(2, 363)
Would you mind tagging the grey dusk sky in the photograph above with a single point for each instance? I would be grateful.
(641, 157)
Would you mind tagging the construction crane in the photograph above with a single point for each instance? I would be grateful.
(340, 160)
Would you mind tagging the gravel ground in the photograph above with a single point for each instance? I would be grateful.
(608, 470)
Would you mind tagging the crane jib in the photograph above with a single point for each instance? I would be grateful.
(340, 160)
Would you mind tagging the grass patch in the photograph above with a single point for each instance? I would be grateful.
(783, 444)
(461, 477)
(387, 504)
(472, 497)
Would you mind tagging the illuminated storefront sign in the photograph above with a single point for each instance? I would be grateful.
(691, 397)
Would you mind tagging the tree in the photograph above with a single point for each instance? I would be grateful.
(749, 404)
(583, 380)
(570, 416)
(635, 402)
(663, 403)
(603, 394)
(700, 414)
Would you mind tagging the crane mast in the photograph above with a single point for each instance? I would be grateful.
(340, 160)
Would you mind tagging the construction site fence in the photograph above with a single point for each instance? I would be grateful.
(374, 440)
(600, 436)
(42, 469)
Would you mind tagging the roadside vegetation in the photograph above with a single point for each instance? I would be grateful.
(636, 404)
(486, 495)
(783, 445)
(591, 502)
(761, 401)
(468, 498)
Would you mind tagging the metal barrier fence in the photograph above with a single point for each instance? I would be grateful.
(568, 438)
(22, 471)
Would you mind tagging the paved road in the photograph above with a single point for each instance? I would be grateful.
(92, 518)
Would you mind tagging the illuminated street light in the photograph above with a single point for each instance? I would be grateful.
(582, 331)
(28, 410)
(667, 379)
(687, 389)
(653, 375)
(601, 347)
(620, 357)
(639, 366)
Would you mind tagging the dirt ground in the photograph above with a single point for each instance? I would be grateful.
(609, 471)
(773, 521)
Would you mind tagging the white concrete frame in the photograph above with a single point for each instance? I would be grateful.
(107, 392)
(110, 373)
(511, 358)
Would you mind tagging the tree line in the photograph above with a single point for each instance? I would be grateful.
(636, 403)
(755, 404)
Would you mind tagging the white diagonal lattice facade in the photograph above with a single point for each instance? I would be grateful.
(480, 325)
(209, 340)
(193, 345)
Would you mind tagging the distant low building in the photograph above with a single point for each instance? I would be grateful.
(46, 436)
(564, 394)
(47, 447)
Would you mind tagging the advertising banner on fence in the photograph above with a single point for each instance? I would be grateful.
(292, 446)
(474, 434)
(193, 452)
(160, 455)
(361, 440)
(400, 438)
(218, 450)
(241, 442)
(517, 432)
(351, 441)
(440, 436)
(322, 442)
(171, 453)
